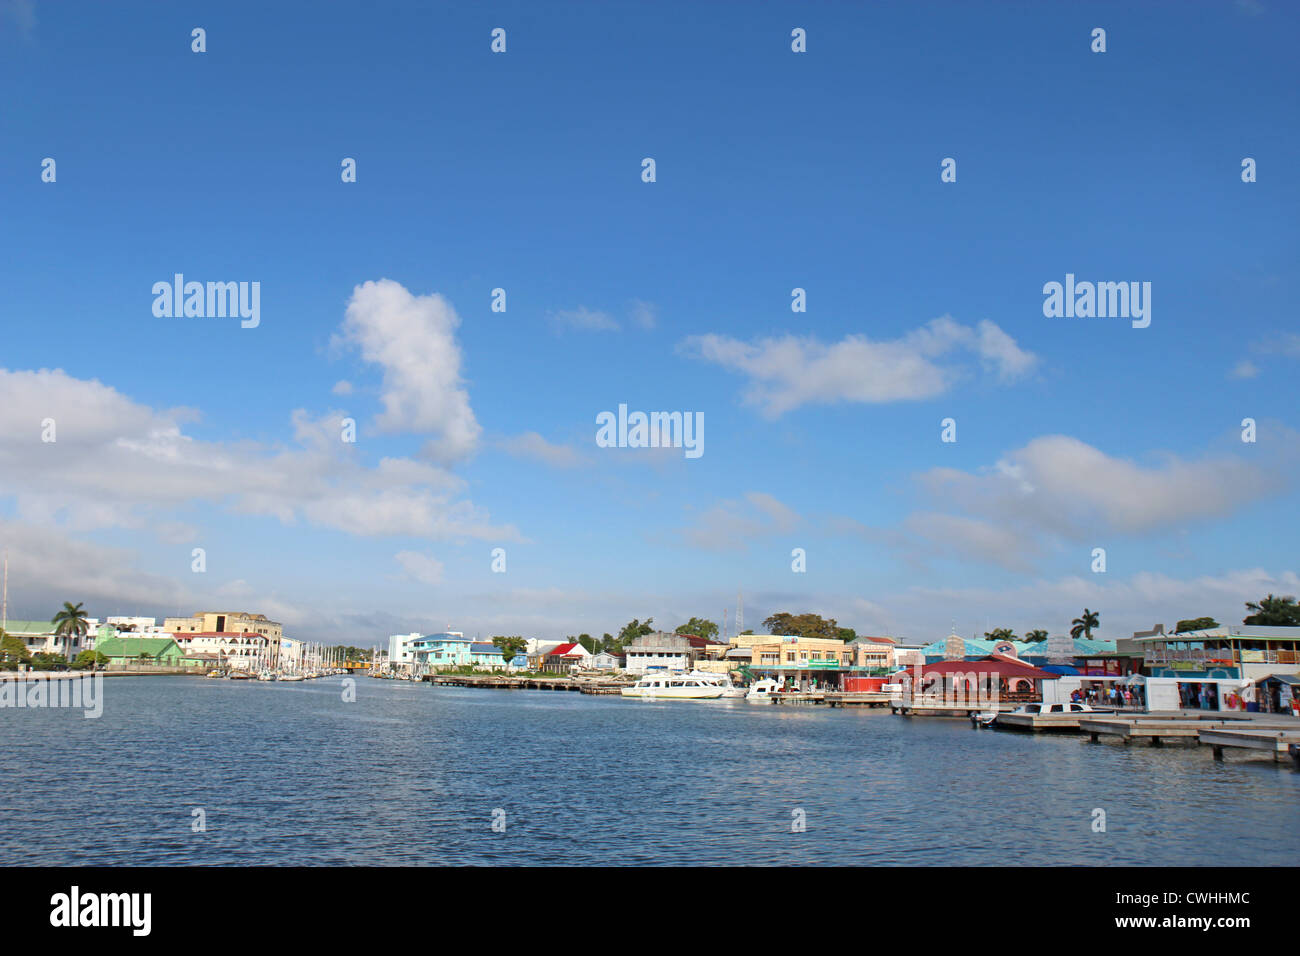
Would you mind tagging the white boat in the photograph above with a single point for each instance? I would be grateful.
(673, 687)
(291, 677)
(762, 689)
(721, 680)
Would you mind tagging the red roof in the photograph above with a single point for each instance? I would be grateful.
(1001, 666)
(700, 641)
(564, 650)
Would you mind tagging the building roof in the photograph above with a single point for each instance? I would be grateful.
(1083, 647)
(135, 646)
(28, 627)
(564, 650)
(864, 639)
(484, 647)
(1235, 631)
(1000, 666)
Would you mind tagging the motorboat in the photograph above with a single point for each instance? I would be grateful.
(673, 687)
(722, 680)
(762, 689)
(240, 675)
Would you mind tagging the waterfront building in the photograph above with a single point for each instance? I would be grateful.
(1217, 668)
(447, 649)
(241, 651)
(486, 654)
(401, 650)
(566, 657)
(977, 681)
(39, 638)
(819, 662)
(225, 622)
(132, 651)
(604, 661)
(659, 650)
(875, 652)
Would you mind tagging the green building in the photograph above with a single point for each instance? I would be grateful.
(127, 650)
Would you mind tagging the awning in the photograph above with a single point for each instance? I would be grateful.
(1291, 679)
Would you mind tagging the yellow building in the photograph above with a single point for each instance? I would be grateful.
(226, 622)
(802, 652)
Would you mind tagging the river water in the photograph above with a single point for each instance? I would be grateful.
(291, 773)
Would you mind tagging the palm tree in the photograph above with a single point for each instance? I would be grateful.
(1278, 611)
(1084, 625)
(70, 623)
(1034, 636)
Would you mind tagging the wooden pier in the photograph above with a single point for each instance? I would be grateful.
(527, 683)
(1280, 743)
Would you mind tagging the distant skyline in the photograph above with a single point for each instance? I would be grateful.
(515, 179)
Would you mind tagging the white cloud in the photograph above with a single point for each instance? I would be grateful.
(117, 463)
(342, 388)
(412, 338)
(731, 525)
(420, 567)
(534, 446)
(787, 372)
(1062, 485)
(642, 314)
(583, 319)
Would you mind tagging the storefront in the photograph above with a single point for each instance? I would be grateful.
(1279, 694)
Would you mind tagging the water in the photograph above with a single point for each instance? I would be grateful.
(410, 774)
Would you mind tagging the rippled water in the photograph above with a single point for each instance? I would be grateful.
(411, 774)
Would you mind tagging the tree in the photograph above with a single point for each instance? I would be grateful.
(631, 631)
(589, 642)
(699, 627)
(1084, 625)
(70, 623)
(88, 659)
(848, 634)
(1273, 612)
(1000, 634)
(13, 652)
(803, 625)
(1035, 636)
(44, 661)
(510, 646)
(1195, 624)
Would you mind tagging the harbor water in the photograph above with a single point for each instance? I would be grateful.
(182, 770)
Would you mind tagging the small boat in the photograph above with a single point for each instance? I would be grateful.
(291, 677)
(213, 673)
(240, 675)
(762, 689)
(673, 687)
(984, 720)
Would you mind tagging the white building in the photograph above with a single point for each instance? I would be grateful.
(401, 653)
(240, 651)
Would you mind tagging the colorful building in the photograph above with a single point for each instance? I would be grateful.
(123, 651)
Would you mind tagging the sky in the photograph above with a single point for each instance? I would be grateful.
(823, 483)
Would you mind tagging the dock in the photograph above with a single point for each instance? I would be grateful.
(1280, 743)
(528, 683)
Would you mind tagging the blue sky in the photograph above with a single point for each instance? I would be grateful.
(774, 170)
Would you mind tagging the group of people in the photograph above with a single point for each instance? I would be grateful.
(1114, 696)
